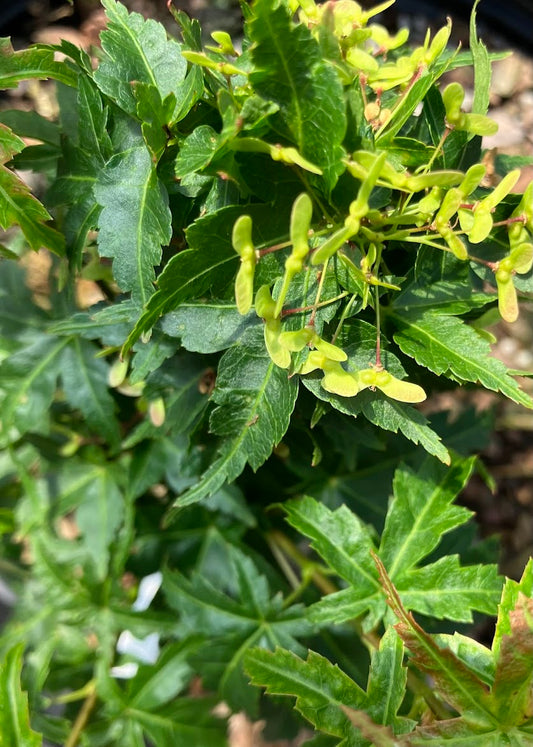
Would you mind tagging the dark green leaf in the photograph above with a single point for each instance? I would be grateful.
(84, 379)
(209, 263)
(232, 624)
(99, 516)
(197, 151)
(137, 50)
(320, 688)
(135, 220)
(254, 401)
(448, 346)
(31, 124)
(185, 721)
(207, 327)
(153, 686)
(31, 376)
(290, 71)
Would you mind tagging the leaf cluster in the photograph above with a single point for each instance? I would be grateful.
(216, 468)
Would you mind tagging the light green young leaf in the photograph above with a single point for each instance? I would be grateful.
(135, 220)
(387, 680)
(446, 590)
(289, 70)
(482, 68)
(407, 104)
(446, 345)
(137, 50)
(254, 401)
(155, 115)
(15, 730)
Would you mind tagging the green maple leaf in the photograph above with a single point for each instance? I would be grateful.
(233, 623)
(419, 514)
(327, 697)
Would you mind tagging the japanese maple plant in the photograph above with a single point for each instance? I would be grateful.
(218, 482)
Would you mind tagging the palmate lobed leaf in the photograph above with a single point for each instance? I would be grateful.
(418, 516)
(30, 378)
(234, 622)
(493, 710)
(327, 697)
